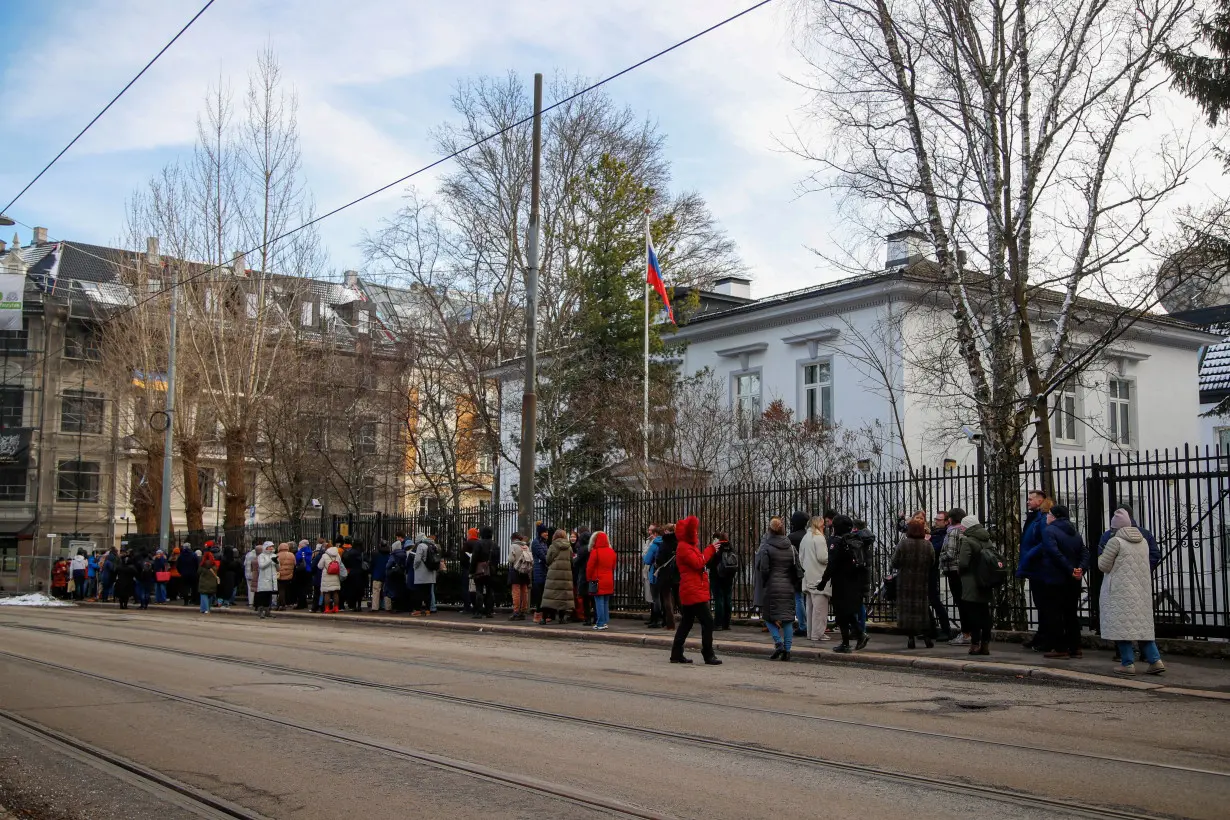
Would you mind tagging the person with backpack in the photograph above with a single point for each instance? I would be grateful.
(867, 544)
(520, 573)
(777, 569)
(649, 551)
(798, 528)
(303, 574)
(667, 574)
(332, 573)
(693, 591)
(394, 588)
(600, 560)
(847, 570)
(723, 569)
(951, 571)
(814, 558)
(1064, 561)
(426, 564)
(976, 595)
(484, 558)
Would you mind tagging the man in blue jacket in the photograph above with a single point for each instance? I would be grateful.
(539, 549)
(1064, 561)
(1038, 505)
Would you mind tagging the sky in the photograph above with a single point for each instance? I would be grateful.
(375, 78)
(372, 83)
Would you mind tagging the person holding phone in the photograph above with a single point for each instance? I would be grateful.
(693, 591)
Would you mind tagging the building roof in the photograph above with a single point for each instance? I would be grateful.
(1215, 369)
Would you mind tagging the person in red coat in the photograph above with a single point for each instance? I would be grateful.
(693, 591)
(600, 573)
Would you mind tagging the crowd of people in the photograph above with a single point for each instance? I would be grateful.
(805, 573)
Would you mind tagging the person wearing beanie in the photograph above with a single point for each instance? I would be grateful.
(1126, 600)
(1065, 558)
(977, 598)
(1155, 554)
(952, 571)
(846, 570)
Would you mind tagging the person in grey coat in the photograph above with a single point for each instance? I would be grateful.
(424, 576)
(1126, 613)
(777, 573)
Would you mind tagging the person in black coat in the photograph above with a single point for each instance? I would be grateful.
(580, 560)
(668, 575)
(484, 556)
(125, 581)
(188, 565)
(355, 583)
(798, 528)
(1064, 561)
(846, 569)
(228, 576)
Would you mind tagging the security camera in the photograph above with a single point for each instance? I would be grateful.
(973, 435)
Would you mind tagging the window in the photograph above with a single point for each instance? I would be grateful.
(818, 392)
(367, 438)
(206, 478)
(305, 314)
(367, 495)
(429, 505)
(1121, 411)
(364, 321)
(8, 554)
(12, 402)
(747, 403)
(81, 342)
(77, 481)
(1063, 416)
(81, 412)
(486, 461)
(13, 484)
(1223, 439)
(16, 341)
(430, 455)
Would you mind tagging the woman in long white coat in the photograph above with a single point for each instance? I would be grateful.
(1126, 613)
(814, 555)
(266, 580)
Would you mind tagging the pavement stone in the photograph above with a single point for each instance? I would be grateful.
(1201, 677)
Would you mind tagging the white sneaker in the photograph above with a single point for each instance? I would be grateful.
(960, 640)
(824, 636)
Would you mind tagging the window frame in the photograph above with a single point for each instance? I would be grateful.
(13, 471)
(819, 387)
(19, 406)
(1126, 408)
(82, 342)
(1223, 438)
(83, 396)
(1058, 413)
(207, 484)
(736, 405)
(72, 495)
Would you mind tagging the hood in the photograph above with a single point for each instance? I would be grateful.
(1130, 534)
(600, 541)
(331, 552)
(842, 524)
(687, 531)
(472, 534)
(977, 532)
(798, 521)
(283, 547)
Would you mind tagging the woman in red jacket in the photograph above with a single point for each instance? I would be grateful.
(693, 591)
(600, 573)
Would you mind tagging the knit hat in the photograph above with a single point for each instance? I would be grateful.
(842, 524)
(1059, 511)
(472, 534)
(1122, 518)
(970, 520)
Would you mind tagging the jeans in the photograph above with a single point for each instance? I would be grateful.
(849, 626)
(783, 637)
(602, 607)
(1148, 651)
(205, 601)
(862, 618)
(141, 594)
(691, 614)
(800, 612)
(79, 584)
(432, 596)
(1045, 634)
(160, 592)
(723, 601)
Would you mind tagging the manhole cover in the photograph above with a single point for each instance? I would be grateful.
(266, 687)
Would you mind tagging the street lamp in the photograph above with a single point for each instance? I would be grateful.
(6, 221)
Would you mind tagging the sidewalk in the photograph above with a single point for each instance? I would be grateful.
(1199, 677)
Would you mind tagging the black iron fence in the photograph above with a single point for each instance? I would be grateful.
(1182, 496)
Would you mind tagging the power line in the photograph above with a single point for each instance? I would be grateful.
(429, 166)
(97, 116)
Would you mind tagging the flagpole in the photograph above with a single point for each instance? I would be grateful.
(645, 426)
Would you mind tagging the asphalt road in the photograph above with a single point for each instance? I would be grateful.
(291, 719)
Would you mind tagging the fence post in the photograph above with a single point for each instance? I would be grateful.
(1095, 514)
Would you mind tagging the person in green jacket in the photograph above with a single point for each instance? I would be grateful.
(207, 583)
(976, 598)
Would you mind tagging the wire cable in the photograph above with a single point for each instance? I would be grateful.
(440, 161)
(98, 116)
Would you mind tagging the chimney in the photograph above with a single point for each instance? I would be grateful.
(40, 236)
(239, 266)
(737, 286)
(151, 251)
(906, 248)
(352, 278)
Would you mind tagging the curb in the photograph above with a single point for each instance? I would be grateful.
(743, 649)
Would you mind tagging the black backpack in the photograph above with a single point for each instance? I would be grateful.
(432, 559)
(990, 568)
(727, 564)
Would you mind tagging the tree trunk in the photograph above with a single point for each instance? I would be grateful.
(147, 497)
(236, 485)
(189, 453)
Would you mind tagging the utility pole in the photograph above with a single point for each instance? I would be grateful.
(529, 400)
(164, 528)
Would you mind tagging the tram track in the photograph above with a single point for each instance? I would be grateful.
(530, 677)
(957, 787)
(194, 800)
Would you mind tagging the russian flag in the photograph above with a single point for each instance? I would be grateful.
(655, 279)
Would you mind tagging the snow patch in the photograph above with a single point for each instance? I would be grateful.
(33, 599)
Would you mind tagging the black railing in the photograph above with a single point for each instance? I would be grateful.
(1182, 496)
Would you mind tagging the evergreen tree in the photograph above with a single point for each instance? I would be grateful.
(1206, 77)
